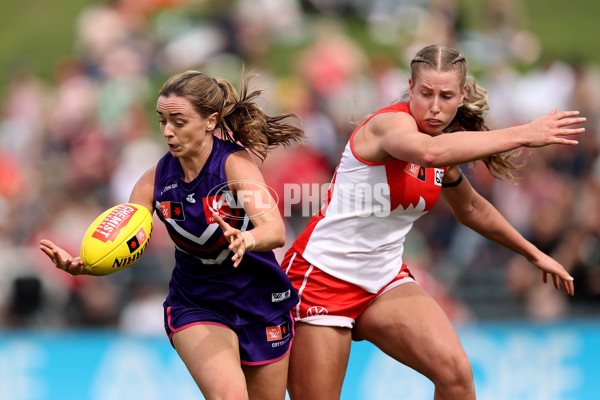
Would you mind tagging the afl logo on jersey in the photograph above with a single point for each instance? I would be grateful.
(278, 332)
(172, 210)
(416, 171)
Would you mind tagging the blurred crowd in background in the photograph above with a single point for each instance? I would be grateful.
(73, 147)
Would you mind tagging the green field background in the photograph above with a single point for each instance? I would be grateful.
(39, 32)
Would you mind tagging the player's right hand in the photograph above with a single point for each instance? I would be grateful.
(554, 128)
(61, 258)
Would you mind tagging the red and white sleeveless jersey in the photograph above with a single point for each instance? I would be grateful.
(358, 235)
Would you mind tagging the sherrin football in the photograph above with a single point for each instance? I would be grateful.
(116, 239)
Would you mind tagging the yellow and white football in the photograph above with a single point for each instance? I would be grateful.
(116, 239)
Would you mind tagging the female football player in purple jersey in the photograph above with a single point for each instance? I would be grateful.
(228, 309)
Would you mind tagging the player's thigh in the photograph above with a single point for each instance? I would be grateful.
(267, 381)
(409, 325)
(211, 354)
(318, 362)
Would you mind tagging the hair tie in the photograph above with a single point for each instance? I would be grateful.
(215, 81)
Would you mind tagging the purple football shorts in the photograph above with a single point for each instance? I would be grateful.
(260, 342)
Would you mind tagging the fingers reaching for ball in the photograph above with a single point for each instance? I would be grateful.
(234, 236)
(61, 258)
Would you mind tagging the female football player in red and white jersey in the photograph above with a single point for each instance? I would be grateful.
(347, 265)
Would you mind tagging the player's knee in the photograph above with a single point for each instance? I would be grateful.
(294, 389)
(223, 389)
(301, 388)
(302, 392)
(455, 375)
(227, 393)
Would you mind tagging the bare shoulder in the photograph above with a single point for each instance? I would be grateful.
(240, 159)
(241, 166)
(147, 179)
(371, 141)
(383, 123)
(143, 191)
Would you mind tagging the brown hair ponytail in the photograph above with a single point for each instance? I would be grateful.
(245, 122)
(469, 117)
(240, 118)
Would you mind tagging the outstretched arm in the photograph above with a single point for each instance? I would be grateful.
(141, 194)
(475, 212)
(397, 135)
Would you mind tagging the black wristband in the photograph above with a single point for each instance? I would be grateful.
(455, 183)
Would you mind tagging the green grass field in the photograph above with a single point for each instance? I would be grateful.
(567, 30)
(39, 32)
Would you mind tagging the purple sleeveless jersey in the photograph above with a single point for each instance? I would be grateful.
(204, 278)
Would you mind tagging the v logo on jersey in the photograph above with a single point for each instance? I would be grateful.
(416, 171)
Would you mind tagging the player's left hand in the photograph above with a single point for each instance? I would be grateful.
(235, 238)
(557, 272)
